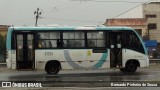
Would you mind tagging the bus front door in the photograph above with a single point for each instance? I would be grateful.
(115, 49)
(25, 51)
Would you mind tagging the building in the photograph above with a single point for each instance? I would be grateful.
(151, 11)
(148, 11)
(146, 20)
(139, 24)
(3, 30)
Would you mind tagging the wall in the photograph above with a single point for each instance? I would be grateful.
(136, 23)
(153, 8)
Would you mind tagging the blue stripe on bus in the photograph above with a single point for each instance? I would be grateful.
(8, 40)
(70, 28)
(102, 60)
(43, 28)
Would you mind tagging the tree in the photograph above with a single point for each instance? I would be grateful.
(2, 46)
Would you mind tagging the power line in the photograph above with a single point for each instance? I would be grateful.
(130, 9)
(118, 1)
(107, 1)
(57, 9)
(82, 0)
(127, 11)
(71, 20)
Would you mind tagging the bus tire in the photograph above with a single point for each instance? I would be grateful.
(131, 66)
(53, 67)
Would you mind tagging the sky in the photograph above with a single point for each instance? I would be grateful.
(66, 12)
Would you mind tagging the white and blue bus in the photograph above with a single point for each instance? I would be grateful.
(56, 48)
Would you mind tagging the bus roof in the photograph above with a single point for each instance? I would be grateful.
(71, 28)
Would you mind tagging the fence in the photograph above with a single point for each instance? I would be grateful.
(154, 60)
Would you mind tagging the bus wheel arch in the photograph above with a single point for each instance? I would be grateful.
(131, 65)
(52, 67)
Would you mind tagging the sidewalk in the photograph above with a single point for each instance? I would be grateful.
(3, 68)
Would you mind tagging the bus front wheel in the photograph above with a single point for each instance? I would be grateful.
(52, 67)
(131, 66)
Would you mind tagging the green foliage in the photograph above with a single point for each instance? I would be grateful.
(2, 44)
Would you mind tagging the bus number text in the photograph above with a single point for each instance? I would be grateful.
(48, 53)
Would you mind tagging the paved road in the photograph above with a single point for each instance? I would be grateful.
(72, 79)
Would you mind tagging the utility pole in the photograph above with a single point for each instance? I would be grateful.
(37, 13)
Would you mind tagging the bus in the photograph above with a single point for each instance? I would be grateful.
(55, 48)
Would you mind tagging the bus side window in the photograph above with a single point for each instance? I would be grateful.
(91, 43)
(50, 44)
(48, 39)
(73, 39)
(68, 43)
(39, 41)
(96, 39)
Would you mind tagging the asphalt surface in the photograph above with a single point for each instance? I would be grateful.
(85, 79)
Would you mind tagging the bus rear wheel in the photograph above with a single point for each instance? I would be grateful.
(52, 67)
